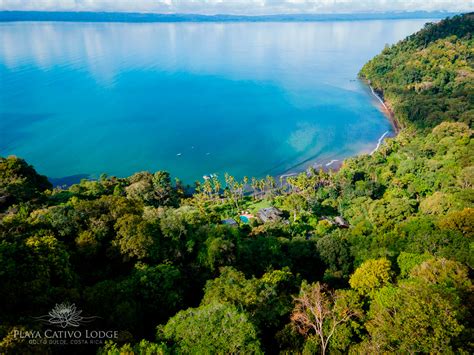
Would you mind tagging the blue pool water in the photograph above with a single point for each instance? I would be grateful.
(191, 98)
(244, 219)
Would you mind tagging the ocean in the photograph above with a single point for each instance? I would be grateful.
(247, 98)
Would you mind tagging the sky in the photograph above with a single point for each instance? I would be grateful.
(240, 7)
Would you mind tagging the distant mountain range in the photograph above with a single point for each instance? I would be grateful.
(7, 16)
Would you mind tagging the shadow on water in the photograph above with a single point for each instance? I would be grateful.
(68, 180)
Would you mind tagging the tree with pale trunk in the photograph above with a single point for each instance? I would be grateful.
(320, 312)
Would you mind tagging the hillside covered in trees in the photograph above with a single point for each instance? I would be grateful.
(428, 78)
(373, 258)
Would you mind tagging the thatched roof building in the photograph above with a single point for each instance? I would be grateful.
(270, 214)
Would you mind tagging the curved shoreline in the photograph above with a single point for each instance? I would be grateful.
(379, 142)
(378, 97)
(386, 109)
(329, 165)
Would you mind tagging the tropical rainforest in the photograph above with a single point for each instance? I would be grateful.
(154, 261)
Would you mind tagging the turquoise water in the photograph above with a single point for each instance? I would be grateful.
(244, 219)
(191, 98)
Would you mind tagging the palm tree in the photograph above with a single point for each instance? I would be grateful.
(207, 188)
(234, 188)
(270, 180)
(216, 184)
(254, 185)
(261, 185)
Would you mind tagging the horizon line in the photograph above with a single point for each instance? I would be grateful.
(150, 17)
(242, 15)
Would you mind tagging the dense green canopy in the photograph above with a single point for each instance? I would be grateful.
(157, 264)
(428, 78)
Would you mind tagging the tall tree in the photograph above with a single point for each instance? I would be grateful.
(211, 329)
(320, 311)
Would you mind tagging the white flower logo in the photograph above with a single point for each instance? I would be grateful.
(65, 315)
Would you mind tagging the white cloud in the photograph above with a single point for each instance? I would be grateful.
(249, 7)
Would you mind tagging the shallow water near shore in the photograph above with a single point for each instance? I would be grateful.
(254, 99)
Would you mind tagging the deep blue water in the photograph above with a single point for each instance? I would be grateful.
(191, 98)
